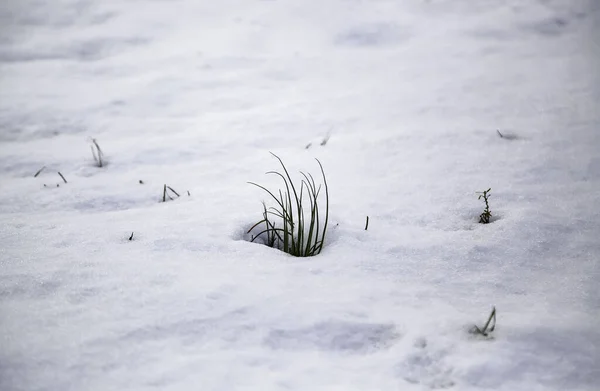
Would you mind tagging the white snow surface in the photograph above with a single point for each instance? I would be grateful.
(196, 93)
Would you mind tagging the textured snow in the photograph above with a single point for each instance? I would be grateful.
(195, 94)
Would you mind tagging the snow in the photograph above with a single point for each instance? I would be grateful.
(195, 94)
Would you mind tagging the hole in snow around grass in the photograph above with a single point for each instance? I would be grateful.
(334, 233)
(335, 336)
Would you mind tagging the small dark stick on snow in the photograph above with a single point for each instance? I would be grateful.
(61, 175)
(38, 173)
(367, 225)
(131, 237)
(499, 134)
(165, 193)
(189, 193)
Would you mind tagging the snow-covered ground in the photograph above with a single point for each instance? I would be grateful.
(195, 93)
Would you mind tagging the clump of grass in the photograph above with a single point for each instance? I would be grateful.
(299, 232)
(486, 329)
(485, 217)
(97, 153)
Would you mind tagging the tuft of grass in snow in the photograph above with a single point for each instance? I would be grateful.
(486, 329)
(484, 218)
(300, 233)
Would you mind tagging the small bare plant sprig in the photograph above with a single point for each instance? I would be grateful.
(484, 218)
(97, 153)
(300, 233)
(486, 329)
(167, 194)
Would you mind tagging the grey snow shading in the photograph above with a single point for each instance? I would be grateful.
(335, 336)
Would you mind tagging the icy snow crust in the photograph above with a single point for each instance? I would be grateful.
(195, 94)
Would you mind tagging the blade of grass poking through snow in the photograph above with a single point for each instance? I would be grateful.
(313, 193)
(39, 171)
(301, 220)
(283, 214)
(296, 244)
(61, 175)
(492, 316)
(97, 153)
(484, 330)
(286, 222)
(312, 213)
(288, 213)
(274, 231)
(326, 207)
(100, 154)
(270, 230)
(300, 223)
